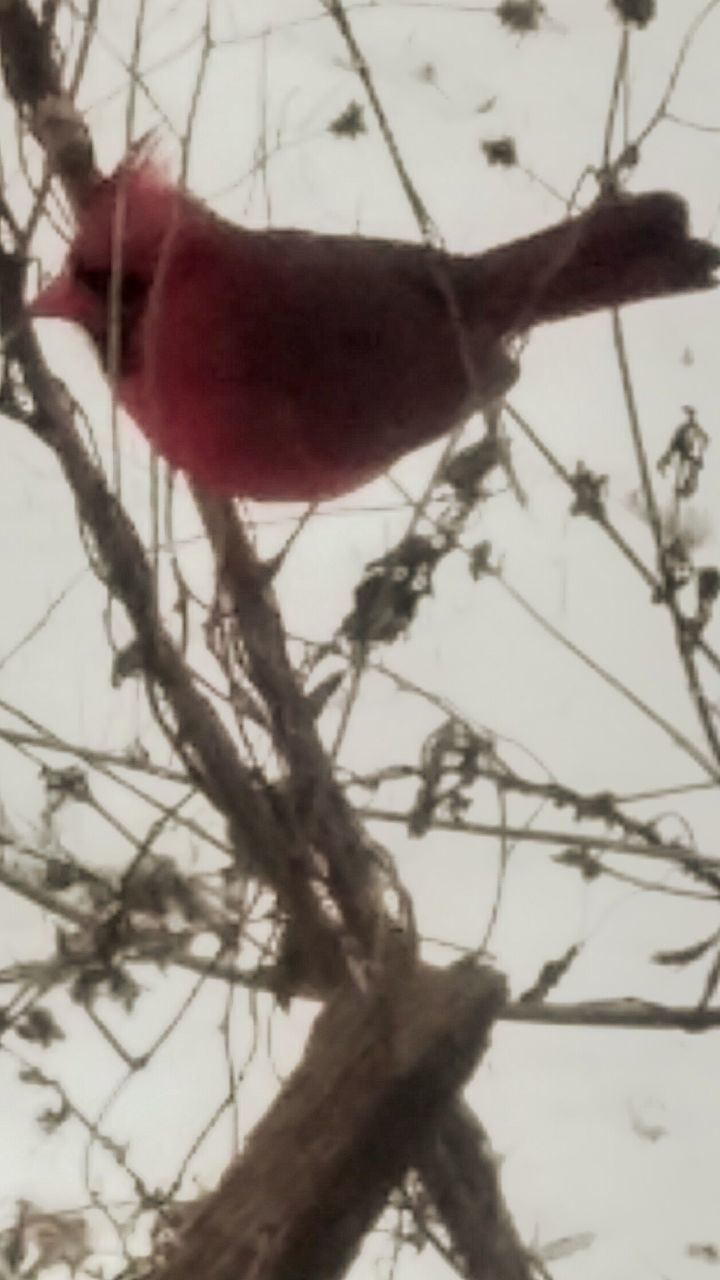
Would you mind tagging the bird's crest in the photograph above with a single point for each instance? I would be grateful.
(131, 212)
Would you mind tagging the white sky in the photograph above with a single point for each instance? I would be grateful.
(562, 1106)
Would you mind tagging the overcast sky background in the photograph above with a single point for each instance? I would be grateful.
(566, 1109)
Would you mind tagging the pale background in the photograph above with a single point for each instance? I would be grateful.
(569, 1111)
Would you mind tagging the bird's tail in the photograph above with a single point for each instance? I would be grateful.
(623, 249)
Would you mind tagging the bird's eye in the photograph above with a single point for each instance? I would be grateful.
(98, 281)
(95, 280)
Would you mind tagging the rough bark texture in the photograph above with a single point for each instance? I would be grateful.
(459, 1170)
(317, 1169)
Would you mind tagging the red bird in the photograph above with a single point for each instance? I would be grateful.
(284, 365)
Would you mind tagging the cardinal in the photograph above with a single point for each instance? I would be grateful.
(291, 366)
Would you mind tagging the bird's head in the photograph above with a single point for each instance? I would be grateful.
(120, 236)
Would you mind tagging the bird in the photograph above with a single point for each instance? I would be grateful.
(294, 366)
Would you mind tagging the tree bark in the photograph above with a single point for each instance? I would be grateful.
(460, 1173)
(317, 1170)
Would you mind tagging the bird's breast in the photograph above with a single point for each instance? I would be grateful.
(296, 368)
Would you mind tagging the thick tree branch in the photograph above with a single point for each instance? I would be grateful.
(324, 817)
(33, 84)
(317, 1169)
(461, 1175)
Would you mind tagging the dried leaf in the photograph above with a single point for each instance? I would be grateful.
(550, 975)
(38, 1026)
(500, 151)
(566, 1246)
(582, 860)
(686, 955)
(350, 123)
(521, 15)
(638, 12)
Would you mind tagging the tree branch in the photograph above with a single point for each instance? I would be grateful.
(317, 1169)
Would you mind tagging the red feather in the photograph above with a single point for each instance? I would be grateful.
(288, 365)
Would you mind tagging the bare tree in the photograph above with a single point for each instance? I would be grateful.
(249, 861)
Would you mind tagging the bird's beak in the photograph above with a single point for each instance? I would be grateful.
(62, 299)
